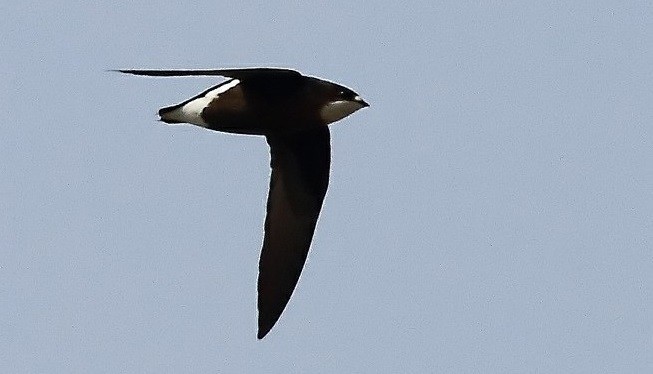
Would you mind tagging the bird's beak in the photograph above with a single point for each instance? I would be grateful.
(360, 100)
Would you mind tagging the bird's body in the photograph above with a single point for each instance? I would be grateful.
(292, 111)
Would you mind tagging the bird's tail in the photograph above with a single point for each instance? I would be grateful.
(171, 114)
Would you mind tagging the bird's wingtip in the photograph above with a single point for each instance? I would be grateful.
(263, 331)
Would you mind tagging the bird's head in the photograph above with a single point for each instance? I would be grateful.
(339, 102)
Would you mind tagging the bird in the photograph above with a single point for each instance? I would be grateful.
(293, 112)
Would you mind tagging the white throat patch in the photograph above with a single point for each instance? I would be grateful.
(337, 110)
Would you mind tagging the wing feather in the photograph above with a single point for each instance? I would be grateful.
(300, 176)
(244, 73)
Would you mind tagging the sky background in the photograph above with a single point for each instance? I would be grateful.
(491, 212)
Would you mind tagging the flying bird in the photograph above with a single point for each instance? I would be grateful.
(292, 111)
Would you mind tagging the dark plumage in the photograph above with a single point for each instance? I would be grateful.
(292, 111)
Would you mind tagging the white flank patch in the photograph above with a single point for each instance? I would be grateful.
(191, 112)
(338, 110)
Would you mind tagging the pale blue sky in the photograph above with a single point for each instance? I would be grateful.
(491, 212)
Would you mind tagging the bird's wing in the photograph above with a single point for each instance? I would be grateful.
(300, 176)
(245, 73)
